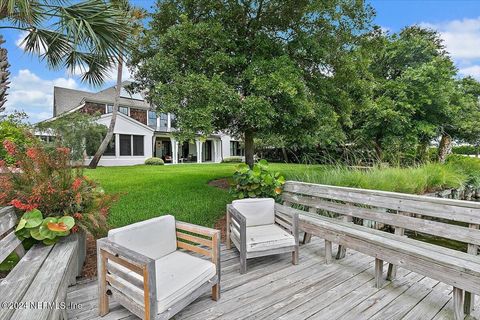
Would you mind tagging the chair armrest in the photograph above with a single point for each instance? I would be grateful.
(288, 221)
(134, 261)
(238, 221)
(198, 239)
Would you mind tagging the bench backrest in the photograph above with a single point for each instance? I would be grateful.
(8, 240)
(452, 219)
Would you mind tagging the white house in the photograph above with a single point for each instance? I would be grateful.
(139, 132)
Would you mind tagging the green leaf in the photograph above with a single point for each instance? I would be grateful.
(49, 242)
(21, 224)
(33, 218)
(68, 221)
(35, 233)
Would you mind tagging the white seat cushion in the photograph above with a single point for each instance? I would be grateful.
(153, 238)
(256, 211)
(266, 237)
(178, 274)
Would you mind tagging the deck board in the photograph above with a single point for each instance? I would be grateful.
(273, 288)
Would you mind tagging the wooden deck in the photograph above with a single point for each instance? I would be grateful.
(275, 289)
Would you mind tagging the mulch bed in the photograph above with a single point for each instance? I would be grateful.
(220, 183)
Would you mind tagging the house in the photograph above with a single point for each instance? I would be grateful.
(140, 132)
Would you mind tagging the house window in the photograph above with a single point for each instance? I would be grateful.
(121, 109)
(110, 151)
(163, 121)
(152, 118)
(131, 145)
(125, 145)
(173, 121)
(138, 146)
(235, 148)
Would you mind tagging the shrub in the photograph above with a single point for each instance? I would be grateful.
(257, 182)
(43, 179)
(470, 150)
(233, 159)
(12, 129)
(468, 166)
(154, 162)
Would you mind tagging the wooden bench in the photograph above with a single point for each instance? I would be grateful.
(338, 215)
(36, 288)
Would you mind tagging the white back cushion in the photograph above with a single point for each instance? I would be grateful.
(153, 238)
(257, 211)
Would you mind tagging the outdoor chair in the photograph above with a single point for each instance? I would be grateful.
(147, 268)
(257, 230)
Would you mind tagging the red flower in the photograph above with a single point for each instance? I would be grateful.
(10, 147)
(77, 184)
(2, 163)
(23, 206)
(74, 229)
(78, 216)
(32, 153)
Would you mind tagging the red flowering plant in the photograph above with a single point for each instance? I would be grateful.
(55, 198)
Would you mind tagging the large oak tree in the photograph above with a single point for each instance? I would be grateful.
(251, 68)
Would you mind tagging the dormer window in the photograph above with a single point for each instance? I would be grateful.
(121, 109)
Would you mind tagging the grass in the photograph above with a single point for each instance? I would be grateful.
(181, 190)
(415, 180)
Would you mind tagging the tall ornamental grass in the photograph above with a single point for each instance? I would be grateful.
(415, 180)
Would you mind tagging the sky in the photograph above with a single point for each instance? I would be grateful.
(458, 21)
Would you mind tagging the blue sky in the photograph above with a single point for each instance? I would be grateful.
(458, 21)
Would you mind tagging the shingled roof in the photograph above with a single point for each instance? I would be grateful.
(67, 99)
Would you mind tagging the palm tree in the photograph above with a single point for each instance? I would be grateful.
(83, 36)
(132, 15)
(4, 74)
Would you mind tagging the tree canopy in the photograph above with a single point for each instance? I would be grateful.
(251, 68)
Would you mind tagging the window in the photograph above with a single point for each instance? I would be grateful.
(235, 148)
(121, 109)
(173, 121)
(110, 151)
(131, 145)
(125, 145)
(138, 146)
(152, 118)
(163, 121)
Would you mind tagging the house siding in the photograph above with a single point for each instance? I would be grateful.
(93, 108)
(139, 115)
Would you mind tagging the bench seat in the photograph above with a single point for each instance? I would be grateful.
(452, 267)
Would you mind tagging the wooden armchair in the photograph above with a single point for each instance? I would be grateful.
(145, 267)
(257, 230)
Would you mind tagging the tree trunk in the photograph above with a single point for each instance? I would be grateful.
(103, 146)
(249, 148)
(285, 155)
(444, 148)
(4, 74)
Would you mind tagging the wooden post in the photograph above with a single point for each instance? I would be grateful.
(307, 237)
(103, 303)
(243, 248)
(378, 273)
(458, 301)
(392, 269)
(342, 250)
(328, 252)
(295, 234)
(227, 232)
(216, 261)
(470, 297)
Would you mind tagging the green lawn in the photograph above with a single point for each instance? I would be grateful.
(180, 190)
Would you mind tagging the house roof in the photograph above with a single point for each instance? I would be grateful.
(67, 99)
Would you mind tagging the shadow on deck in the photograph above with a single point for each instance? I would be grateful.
(275, 289)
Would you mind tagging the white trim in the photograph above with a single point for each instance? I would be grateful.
(119, 114)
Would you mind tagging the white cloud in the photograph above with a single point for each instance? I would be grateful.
(473, 71)
(462, 37)
(34, 95)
